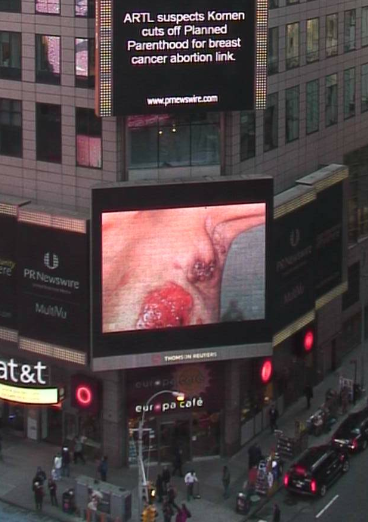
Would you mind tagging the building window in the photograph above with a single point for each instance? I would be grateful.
(85, 8)
(48, 132)
(331, 99)
(312, 106)
(312, 40)
(357, 161)
(364, 26)
(349, 30)
(271, 123)
(48, 59)
(364, 88)
(331, 35)
(273, 50)
(273, 4)
(168, 141)
(292, 45)
(10, 55)
(247, 135)
(10, 6)
(349, 93)
(11, 127)
(89, 138)
(292, 114)
(84, 62)
(292, 2)
(48, 7)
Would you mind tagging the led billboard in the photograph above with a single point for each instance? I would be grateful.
(155, 57)
(180, 268)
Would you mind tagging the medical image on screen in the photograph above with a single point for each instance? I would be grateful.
(183, 267)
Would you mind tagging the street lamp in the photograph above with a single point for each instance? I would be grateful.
(142, 480)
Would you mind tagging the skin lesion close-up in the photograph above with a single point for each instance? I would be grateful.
(163, 268)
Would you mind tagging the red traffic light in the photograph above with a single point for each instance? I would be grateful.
(266, 371)
(308, 340)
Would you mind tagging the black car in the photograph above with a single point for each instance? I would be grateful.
(353, 432)
(317, 468)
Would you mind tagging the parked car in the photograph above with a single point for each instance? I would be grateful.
(353, 432)
(316, 470)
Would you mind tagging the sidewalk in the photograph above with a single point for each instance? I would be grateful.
(21, 458)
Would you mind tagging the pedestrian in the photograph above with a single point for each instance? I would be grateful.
(40, 475)
(274, 415)
(178, 462)
(78, 450)
(102, 468)
(159, 487)
(189, 479)
(65, 461)
(57, 465)
(38, 494)
(52, 490)
(171, 496)
(308, 392)
(183, 514)
(166, 477)
(276, 513)
(226, 481)
(168, 511)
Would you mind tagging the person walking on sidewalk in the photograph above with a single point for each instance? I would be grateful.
(183, 514)
(308, 392)
(274, 415)
(168, 511)
(78, 450)
(58, 462)
(159, 487)
(102, 468)
(178, 462)
(52, 490)
(38, 494)
(65, 461)
(189, 479)
(276, 513)
(226, 481)
(166, 477)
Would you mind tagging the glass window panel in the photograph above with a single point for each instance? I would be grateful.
(273, 4)
(85, 8)
(10, 6)
(331, 99)
(10, 127)
(270, 123)
(312, 40)
(273, 50)
(292, 114)
(48, 59)
(349, 93)
(174, 146)
(364, 26)
(205, 144)
(84, 62)
(48, 132)
(292, 45)
(247, 135)
(10, 55)
(48, 6)
(364, 88)
(349, 30)
(331, 35)
(88, 138)
(291, 2)
(312, 106)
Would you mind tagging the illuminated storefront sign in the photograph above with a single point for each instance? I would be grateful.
(29, 395)
(165, 56)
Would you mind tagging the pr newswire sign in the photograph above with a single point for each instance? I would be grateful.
(172, 56)
(53, 285)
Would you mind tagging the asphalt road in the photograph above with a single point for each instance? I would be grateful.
(345, 501)
(13, 514)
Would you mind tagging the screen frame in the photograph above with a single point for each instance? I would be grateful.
(136, 348)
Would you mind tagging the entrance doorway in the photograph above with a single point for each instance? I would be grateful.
(174, 434)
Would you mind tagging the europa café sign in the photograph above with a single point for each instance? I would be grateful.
(27, 384)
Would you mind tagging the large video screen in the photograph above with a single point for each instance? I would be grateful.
(164, 56)
(179, 267)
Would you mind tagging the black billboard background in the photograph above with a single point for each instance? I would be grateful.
(233, 81)
(175, 195)
(50, 312)
(294, 238)
(8, 282)
(329, 239)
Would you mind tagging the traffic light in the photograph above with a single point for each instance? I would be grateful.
(152, 513)
(304, 340)
(85, 393)
(144, 515)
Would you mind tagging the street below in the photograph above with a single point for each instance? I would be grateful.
(10, 513)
